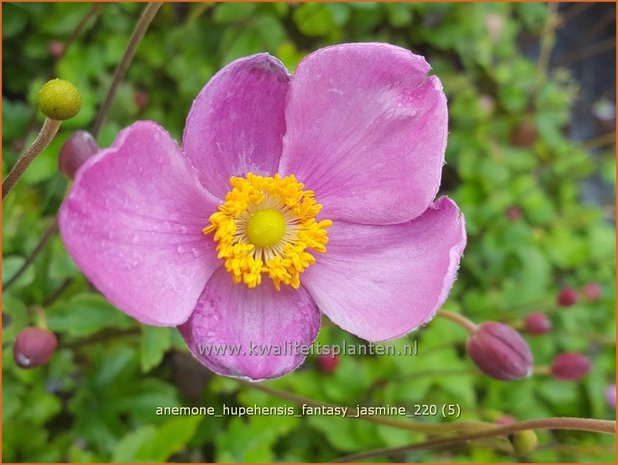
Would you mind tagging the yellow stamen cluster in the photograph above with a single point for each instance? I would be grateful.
(284, 199)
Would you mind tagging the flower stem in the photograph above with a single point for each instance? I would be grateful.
(138, 33)
(354, 413)
(461, 320)
(94, 10)
(47, 235)
(45, 136)
(565, 423)
(141, 27)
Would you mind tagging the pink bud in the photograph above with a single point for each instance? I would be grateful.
(592, 291)
(76, 150)
(18, 145)
(34, 347)
(328, 363)
(505, 420)
(610, 396)
(570, 366)
(55, 48)
(537, 323)
(500, 352)
(141, 98)
(494, 23)
(513, 213)
(567, 297)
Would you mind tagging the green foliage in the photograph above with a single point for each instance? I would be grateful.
(96, 401)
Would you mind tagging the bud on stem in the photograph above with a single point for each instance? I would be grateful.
(500, 352)
(34, 347)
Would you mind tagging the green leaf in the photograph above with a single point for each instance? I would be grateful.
(155, 342)
(86, 314)
(233, 12)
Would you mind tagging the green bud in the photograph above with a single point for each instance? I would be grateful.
(524, 442)
(59, 99)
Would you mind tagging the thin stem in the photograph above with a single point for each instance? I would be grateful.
(138, 33)
(48, 131)
(355, 413)
(47, 235)
(565, 423)
(461, 320)
(547, 41)
(588, 52)
(121, 69)
(102, 336)
(609, 138)
(94, 10)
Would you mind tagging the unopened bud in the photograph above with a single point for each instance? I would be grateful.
(34, 347)
(141, 98)
(504, 420)
(537, 323)
(524, 442)
(59, 99)
(327, 363)
(570, 366)
(524, 134)
(567, 297)
(500, 352)
(592, 292)
(513, 213)
(75, 151)
(55, 48)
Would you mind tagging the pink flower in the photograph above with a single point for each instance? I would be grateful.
(226, 236)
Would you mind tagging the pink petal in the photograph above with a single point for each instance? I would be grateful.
(265, 327)
(236, 122)
(132, 222)
(380, 282)
(366, 130)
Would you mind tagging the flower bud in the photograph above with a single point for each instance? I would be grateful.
(610, 396)
(504, 420)
(75, 151)
(524, 134)
(500, 352)
(59, 99)
(513, 213)
(567, 297)
(524, 442)
(592, 292)
(141, 98)
(55, 48)
(537, 323)
(34, 347)
(328, 363)
(570, 366)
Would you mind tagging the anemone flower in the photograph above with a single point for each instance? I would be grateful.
(289, 196)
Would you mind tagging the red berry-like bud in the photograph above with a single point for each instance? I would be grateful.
(610, 396)
(592, 291)
(513, 213)
(570, 366)
(76, 150)
(34, 347)
(500, 352)
(537, 323)
(18, 145)
(524, 134)
(55, 48)
(141, 98)
(567, 297)
(328, 363)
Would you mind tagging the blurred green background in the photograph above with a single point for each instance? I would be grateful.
(521, 181)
